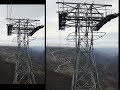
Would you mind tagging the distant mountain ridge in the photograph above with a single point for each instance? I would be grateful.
(8, 56)
(107, 66)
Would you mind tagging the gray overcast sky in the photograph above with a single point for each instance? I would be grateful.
(53, 34)
(22, 11)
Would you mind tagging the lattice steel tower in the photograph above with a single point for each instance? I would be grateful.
(87, 20)
(24, 28)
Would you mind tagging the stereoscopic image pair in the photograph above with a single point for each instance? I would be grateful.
(64, 44)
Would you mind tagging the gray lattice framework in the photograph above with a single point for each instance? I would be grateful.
(85, 18)
(23, 69)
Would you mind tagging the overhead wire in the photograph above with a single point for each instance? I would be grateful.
(10, 11)
(7, 22)
(9, 15)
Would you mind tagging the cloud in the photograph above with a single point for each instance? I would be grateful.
(53, 34)
(26, 11)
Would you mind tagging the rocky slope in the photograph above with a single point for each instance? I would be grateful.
(8, 55)
(61, 80)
